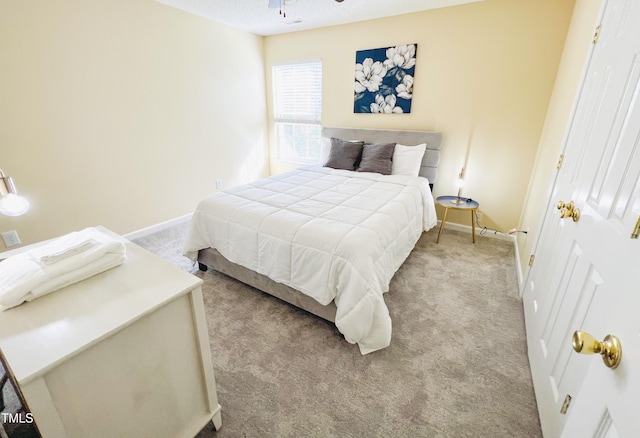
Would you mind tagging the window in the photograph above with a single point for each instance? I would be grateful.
(297, 99)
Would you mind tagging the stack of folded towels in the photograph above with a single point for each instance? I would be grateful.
(59, 263)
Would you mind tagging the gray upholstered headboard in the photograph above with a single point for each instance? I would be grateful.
(431, 159)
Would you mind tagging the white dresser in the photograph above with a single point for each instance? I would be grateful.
(124, 353)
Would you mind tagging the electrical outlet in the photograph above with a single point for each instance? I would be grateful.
(479, 216)
(218, 184)
(11, 238)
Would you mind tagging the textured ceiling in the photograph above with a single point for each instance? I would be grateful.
(255, 16)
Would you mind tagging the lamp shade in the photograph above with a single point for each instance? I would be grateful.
(13, 205)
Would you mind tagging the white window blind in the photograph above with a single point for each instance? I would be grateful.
(298, 91)
(297, 98)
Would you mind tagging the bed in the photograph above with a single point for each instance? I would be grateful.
(326, 239)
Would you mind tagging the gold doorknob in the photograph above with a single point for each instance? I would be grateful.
(568, 210)
(610, 348)
(573, 213)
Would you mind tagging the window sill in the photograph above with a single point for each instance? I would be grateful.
(279, 165)
(294, 162)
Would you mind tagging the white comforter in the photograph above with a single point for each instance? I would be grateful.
(331, 234)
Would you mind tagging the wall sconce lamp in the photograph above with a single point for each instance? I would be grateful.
(11, 204)
(460, 184)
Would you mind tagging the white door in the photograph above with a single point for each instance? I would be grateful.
(584, 269)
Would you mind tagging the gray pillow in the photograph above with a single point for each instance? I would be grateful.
(344, 154)
(376, 157)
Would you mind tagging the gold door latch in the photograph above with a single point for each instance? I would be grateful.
(568, 210)
(565, 405)
(610, 348)
(636, 230)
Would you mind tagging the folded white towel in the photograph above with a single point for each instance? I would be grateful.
(63, 253)
(18, 275)
(59, 263)
(108, 261)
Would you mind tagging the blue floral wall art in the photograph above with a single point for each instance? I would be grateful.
(384, 79)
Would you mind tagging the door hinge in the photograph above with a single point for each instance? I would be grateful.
(596, 34)
(636, 230)
(565, 405)
(560, 160)
(531, 259)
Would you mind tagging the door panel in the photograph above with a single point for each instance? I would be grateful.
(582, 272)
(615, 174)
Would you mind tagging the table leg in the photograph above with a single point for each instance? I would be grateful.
(444, 219)
(473, 226)
(217, 420)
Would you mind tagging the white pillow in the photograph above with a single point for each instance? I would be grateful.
(407, 159)
(325, 149)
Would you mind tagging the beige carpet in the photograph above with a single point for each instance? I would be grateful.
(456, 367)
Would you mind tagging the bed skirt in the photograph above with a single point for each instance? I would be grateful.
(211, 258)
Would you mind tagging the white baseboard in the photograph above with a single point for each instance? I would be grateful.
(131, 236)
(467, 229)
(518, 268)
(158, 227)
(493, 235)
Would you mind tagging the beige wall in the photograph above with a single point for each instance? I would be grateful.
(123, 113)
(484, 76)
(577, 48)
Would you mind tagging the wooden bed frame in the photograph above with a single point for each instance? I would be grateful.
(211, 258)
